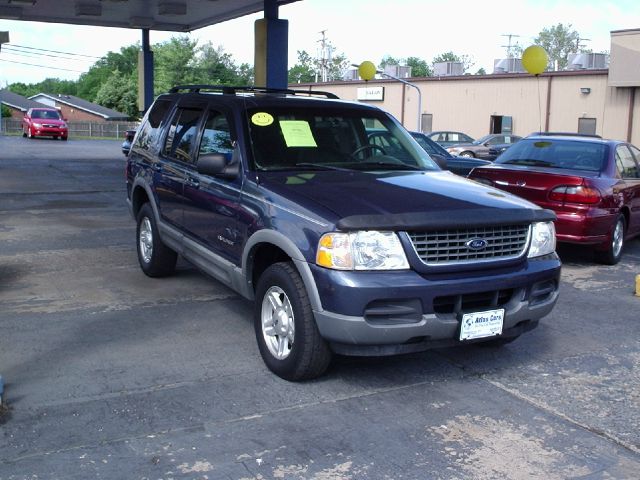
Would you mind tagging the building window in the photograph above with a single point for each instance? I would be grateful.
(501, 124)
(587, 126)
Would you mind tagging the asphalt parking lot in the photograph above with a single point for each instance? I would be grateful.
(110, 374)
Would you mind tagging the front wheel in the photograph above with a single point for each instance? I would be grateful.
(613, 251)
(467, 154)
(286, 331)
(155, 258)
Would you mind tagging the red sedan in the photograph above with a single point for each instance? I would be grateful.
(44, 122)
(593, 186)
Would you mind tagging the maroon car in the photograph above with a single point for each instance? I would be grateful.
(592, 184)
(44, 122)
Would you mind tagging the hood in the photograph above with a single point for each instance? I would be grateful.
(399, 199)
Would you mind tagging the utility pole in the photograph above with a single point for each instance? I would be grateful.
(508, 47)
(324, 57)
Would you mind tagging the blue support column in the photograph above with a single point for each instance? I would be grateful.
(271, 48)
(145, 74)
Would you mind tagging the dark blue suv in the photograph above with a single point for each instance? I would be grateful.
(344, 247)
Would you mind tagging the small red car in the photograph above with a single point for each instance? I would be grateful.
(593, 186)
(44, 122)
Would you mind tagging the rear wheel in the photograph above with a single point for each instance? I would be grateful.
(286, 331)
(155, 258)
(467, 154)
(613, 252)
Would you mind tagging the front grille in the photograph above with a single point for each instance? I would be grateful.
(472, 302)
(452, 246)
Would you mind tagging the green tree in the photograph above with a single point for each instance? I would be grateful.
(175, 63)
(419, 67)
(214, 66)
(304, 71)
(559, 41)
(6, 111)
(125, 61)
(118, 92)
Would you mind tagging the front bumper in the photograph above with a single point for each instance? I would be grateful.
(366, 313)
(49, 132)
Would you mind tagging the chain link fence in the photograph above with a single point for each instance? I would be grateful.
(78, 129)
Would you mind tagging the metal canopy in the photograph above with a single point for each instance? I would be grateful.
(168, 15)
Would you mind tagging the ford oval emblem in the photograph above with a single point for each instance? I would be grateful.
(476, 243)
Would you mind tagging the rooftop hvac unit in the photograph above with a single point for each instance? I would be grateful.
(448, 69)
(398, 71)
(351, 74)
(587, 61)
(508, 65)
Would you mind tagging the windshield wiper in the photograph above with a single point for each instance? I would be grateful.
(388, 165)
(530, 161)
(319, 166)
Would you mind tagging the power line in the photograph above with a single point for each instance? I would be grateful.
(22, 53)
(52, 51)
(41, 66)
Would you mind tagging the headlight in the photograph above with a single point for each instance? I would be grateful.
(37, 125)
(543, 239)
(366, 250)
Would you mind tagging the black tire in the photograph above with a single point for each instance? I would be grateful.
(467, 154)
(155, 258)
(305, 354)
(64, 138)
(613, 251)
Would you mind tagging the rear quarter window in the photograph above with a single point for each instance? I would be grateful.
(152, 124)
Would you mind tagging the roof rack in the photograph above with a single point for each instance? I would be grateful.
(564, 134)
(232, 90)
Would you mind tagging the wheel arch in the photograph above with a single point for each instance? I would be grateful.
(266, 247)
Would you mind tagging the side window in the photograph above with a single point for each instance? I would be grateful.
(149, 129)
(216, 136)
(627, 167)
(183, 130)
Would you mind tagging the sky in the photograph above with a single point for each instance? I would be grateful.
(359, 29)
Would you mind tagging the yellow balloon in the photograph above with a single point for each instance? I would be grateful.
(367, 70)
(535, 59)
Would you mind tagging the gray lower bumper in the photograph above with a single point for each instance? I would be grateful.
(355, 336)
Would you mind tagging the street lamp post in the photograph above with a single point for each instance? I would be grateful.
(379, 72)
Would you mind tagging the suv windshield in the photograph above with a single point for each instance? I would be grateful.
(554, 153)
(305, 138)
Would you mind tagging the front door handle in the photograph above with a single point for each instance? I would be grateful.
(192, 182)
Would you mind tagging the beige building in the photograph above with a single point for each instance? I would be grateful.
(603, 101)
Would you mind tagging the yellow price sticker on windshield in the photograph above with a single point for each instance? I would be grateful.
(297, 133)
(262, 119)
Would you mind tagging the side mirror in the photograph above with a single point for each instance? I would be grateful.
(217, 165)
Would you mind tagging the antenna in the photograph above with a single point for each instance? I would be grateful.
(580, 45)
(509, 47)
